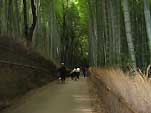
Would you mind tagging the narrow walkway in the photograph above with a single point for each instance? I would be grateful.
(72, 97)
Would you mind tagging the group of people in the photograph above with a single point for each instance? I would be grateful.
(74, 74)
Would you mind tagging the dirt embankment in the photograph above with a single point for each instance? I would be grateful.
(21, 70)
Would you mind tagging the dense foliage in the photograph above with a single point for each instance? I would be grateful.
(55, 28)
(115, 32)
(120, 33)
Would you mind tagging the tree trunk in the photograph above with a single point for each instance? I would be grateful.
(148, 23)
(17, 19)
(31, 29)
(29, 32)
(9, 17)
(129, 33)
(25, 18)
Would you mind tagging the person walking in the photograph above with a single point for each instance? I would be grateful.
(78, 72)
(63, 72)
(73, 73)
(84, 71)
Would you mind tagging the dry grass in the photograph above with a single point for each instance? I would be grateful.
(136, 91)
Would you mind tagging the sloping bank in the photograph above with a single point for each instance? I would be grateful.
(21, 70)
(120, 93)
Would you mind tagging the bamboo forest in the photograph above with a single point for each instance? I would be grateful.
(75, 56)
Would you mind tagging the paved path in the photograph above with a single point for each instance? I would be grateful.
(72, 97)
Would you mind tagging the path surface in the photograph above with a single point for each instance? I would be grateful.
(72, 97)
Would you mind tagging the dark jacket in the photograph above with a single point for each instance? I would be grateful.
(62, 71)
